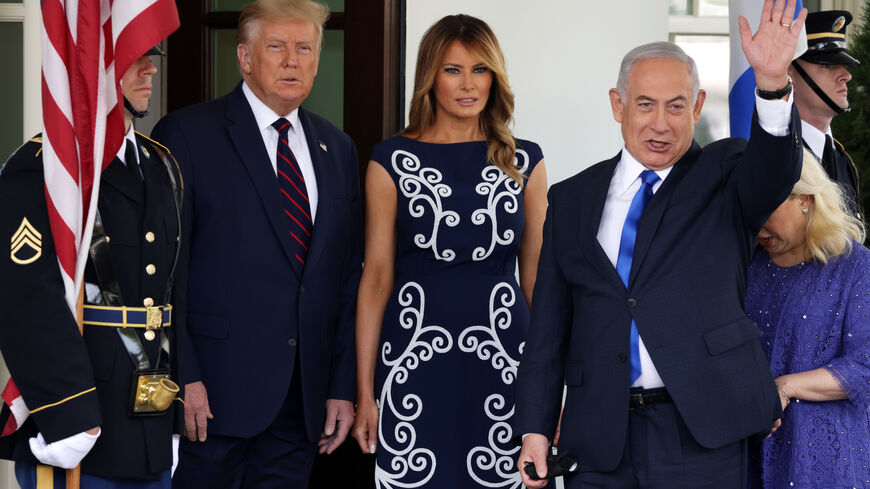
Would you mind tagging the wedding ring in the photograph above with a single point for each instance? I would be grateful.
(785, 25)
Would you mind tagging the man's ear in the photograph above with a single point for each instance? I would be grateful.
(243, 56)
(699, 102)
(616, 105)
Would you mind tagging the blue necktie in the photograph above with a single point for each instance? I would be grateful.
(626, 251)
(294, 196)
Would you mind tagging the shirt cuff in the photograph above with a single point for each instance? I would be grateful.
(774, 116)
(523, 438)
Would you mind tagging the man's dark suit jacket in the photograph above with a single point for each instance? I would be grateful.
(686, 289)
(250, 315)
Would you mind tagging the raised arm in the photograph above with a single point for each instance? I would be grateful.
(770, 165)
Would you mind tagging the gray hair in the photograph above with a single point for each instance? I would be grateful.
(656, 50)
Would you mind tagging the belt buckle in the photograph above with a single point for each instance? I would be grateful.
(639, 400)
(153, 321)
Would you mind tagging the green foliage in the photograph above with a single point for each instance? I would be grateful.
(853, 128)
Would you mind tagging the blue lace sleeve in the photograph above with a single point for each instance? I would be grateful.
(852, 367)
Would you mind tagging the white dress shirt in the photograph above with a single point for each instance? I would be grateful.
(130, 136)
(814, 138)
(773, 116)
(265, 117)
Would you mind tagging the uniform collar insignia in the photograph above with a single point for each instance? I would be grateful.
(26, 236)
(144, 151)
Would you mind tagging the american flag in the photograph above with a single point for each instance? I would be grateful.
(87, 45)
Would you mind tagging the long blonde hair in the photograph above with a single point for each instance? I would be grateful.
(831, 226)
(476, 36)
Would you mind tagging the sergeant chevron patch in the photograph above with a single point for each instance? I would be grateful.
(26, 237)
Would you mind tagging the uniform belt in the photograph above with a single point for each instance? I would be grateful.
(644, 397)
(155, 317)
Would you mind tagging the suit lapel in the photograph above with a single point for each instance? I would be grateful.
(325, 180)
(116, 175)
(655, 209)
(590, 220)
(245, 135)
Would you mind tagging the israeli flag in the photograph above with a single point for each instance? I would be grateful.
(741, 95)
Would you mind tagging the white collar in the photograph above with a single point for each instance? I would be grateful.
(130, 136)
(628, 169)
(263, 114)
(814, 138)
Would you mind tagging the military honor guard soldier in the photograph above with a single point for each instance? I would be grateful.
(820, 76)
(105, 398)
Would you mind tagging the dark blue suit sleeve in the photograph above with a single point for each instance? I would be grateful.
(342, 384)
(541, 372)
(767, 171)
(171, 134)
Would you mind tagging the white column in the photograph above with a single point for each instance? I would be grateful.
(29, 15)
(32, 68)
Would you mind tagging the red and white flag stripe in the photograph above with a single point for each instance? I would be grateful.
(13, 399)
(87, 45)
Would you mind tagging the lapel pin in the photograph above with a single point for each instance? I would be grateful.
(144, 151)
(323, 146)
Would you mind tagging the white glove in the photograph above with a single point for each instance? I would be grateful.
(66, 453)
(176, 439)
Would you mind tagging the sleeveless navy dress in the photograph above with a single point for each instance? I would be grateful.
(455, 324)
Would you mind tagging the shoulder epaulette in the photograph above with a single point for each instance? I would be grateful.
(155, 143)
(854, 166)
(35, 139)
(168, 153)
(843, 149)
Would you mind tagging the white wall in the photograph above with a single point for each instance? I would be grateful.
(562, 57)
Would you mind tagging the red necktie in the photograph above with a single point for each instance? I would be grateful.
(294, 195)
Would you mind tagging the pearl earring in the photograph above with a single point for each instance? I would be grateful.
(805, 210)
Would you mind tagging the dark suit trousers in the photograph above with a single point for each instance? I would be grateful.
(660, 453)
(280, 457)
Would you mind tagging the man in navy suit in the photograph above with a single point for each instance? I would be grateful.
(639, 297)
(276, 252)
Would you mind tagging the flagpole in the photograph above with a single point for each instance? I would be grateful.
(74, 475)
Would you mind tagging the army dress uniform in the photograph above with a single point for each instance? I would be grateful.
(837, 164)
(826, 45)
(73, 382)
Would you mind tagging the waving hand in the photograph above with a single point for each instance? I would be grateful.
(771, 49)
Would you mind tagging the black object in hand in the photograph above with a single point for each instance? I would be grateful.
(557, 465)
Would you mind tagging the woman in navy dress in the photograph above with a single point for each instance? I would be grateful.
(809, 293)
(452, 205)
